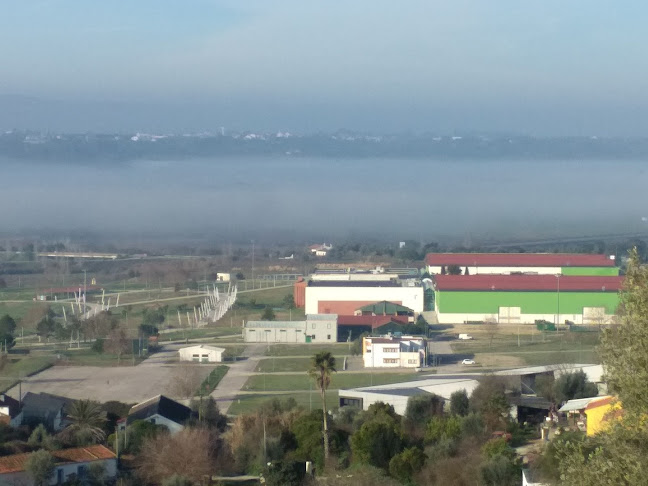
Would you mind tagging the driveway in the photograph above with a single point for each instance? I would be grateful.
(128, 384)
(238, 373)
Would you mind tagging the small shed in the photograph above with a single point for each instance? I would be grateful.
(201, 353)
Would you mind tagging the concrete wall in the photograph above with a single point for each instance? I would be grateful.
(275, 335)
(318, 329)
(204, 355)
(411, 297)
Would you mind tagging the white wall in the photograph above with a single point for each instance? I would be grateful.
(213, 355)
(275, 335)
(22, 478)
(477, 270)
(459, 318)
(411, 297)
(169, 424)
(398, 359)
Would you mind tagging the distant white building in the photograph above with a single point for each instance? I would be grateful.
(201, 353)
(317, 328)
(393, 352)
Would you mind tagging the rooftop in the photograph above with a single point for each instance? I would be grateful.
(373, 321)
(385, 308)
(160, 405)
(549, 283)
(519, 259)
(276, 324)
(16, 462)
(353, 283)
(204, 346)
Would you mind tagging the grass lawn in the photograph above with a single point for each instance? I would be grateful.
(339, 380)
(558, 357)
(279, 365)
(21, 366)
(307, 349)
(26, 314)
(305, 399)
(87, 357)
(212, 380)
(508, 343)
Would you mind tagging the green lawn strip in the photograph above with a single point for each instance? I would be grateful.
(212, 380)
(88, 357)
(339, 380)
(559, 357)
(271, 365)
(20, 367)
(511, 346)
(305, 399)
(306, 349)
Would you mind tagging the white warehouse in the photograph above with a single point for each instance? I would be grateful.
(317, 328)
(345, 297)
(201, 353)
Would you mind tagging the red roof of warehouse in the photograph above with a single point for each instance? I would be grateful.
(528, 282)
(373, 321)
(519, 259)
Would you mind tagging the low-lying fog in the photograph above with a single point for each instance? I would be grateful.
(328, 198)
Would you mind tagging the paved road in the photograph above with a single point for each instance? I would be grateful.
(238, 373)
(128, 384)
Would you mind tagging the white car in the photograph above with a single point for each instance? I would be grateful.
(468, 362)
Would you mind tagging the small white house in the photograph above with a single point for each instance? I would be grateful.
(68, 462)
(161, 410)
(201, 353)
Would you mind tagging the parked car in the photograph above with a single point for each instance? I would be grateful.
(468, 362)
(465, 336)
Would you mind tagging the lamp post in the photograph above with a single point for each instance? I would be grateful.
(557, 300)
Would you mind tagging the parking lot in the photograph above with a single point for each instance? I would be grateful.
(128, 384)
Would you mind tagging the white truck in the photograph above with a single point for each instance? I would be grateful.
(465, 336)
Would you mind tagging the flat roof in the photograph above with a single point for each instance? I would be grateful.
(519, 259)
(276, 324)
(353, 283)
(549, 283)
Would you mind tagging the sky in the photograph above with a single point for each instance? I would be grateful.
(540, 68)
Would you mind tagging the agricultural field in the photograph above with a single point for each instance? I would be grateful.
(309, 400)
(336, 349)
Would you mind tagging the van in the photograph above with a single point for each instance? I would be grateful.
(465, 336)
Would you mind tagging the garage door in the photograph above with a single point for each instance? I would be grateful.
(509, 315)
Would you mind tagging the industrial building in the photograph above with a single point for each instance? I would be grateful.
(525, 299)
(515, 263)
(315, 329)
(394, 352)
(351, 327)
(348, 297)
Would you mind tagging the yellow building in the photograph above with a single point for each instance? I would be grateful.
(600, 411)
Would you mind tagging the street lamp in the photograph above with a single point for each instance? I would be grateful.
(557, 300)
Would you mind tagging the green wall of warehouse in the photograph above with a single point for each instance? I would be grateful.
(530, 302)
(593, 271)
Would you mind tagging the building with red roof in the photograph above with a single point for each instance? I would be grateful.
(69, 463)
(525, 299)
(525, 263)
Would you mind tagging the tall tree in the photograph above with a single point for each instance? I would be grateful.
(117, 343)
(322, 367)
(86, 419)
(40, 466)
(623, 349)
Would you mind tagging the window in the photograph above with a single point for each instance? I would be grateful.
(328, 336)
(389, 360)
(390, 350)
(313, 337)
(412, 361)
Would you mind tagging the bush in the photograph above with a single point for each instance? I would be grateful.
(404, 465)
(98, 346)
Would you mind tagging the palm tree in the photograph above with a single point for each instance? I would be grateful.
(322, 365)
(86, 421)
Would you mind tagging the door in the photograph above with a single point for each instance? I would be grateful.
(509, 315)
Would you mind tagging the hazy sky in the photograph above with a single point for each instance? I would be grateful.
(550, 67)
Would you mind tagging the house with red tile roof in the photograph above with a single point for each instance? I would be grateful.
(69, 463)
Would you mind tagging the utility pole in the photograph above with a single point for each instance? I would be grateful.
(252, 263)
(85, 286)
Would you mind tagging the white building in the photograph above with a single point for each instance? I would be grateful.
(345, 297)
(398, 394)
(201, 353)
(394, 352)
(317, 328)
(67, 462)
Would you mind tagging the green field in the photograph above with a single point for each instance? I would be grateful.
(280, 382)
(577, 341)
(212, 380)
(279, 365)
(306, 399)
(306, 350)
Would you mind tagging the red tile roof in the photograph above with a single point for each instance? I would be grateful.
(528, 282)
(373, 321)
(16, 462)
(599, 402)
(519, 259)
